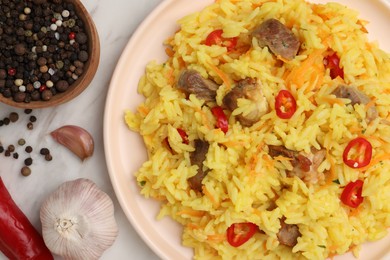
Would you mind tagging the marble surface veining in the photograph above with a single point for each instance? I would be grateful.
(116, 21)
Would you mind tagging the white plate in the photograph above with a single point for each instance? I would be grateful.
(124, 149)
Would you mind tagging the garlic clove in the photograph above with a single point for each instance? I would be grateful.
(78, 220)
(76, 139)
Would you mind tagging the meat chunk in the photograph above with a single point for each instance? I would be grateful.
(191, 82)
(305, 166)
(279, 39)
(197, 157)
(278, 150)
(288, 234)
(249, 89)
(356, 97)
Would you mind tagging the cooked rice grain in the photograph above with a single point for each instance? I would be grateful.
(244, 184)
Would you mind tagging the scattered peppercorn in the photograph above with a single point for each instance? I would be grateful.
(28, 161)
(13, 117)
(30, 126)
(21, 142)
(44, 151)
(11, 148)
(15, 155)
(7, 153)
(33, 119)
(25, 171)
(48, 157)
(27, 111)
(28, 149)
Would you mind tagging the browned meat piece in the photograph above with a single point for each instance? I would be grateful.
(305, 166)
(356, 97)
(288, 234)
(279, 39)
(191, 82)
(250, 89)
(197, 157)
(278, 150)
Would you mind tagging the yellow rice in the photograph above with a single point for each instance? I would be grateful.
(244, 181)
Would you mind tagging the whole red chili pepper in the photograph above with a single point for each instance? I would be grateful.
(18, 237)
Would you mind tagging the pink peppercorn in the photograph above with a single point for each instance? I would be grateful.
(11, 71)
(72, 36)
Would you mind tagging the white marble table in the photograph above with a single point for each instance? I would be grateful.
(116, 21)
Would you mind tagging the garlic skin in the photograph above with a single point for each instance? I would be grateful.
(78, 220)
(76, 139)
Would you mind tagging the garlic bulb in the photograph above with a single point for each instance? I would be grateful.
(76, 139)
(78, 220)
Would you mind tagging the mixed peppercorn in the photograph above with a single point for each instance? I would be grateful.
(43, 48)
(13, 149)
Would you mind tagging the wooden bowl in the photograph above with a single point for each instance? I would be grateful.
(86, 77)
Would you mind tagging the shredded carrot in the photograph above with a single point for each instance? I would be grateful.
(363, 24)
(222, 75)
(182, 63)
(211, 197)
(269, 162)
(255, 5)
(169, 52)
(192, 226)
(170, 77)
(160, 198)
(192, 213)
(356, 129)
(376, 160)
(216, 237)
(233, 143)
(298, 75)
(333, 248)
(143, 110)
(354, 212)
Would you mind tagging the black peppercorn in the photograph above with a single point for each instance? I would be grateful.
(30, 126)
(11, 148)
(48, 157)
(13, 117)
(62, 85)
(28, 161)
(33, 119)
(44, 151)
(28, 149)
(46, 95)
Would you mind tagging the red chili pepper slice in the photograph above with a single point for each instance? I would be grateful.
(239, 233)
(352, 194)
(222, 121)
(183, 135)
(332, 62)
(285, 104)
(357, 153)
(18, 237)
(215, 38)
